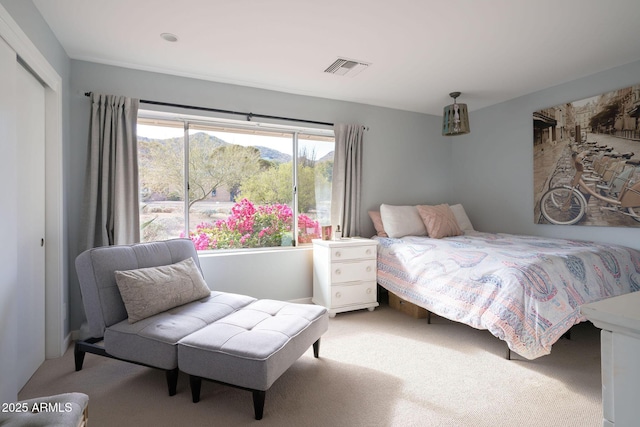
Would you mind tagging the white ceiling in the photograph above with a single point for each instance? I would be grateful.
(420, 50)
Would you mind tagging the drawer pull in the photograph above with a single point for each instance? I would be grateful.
(368, 268)
(338, 254)
(368, 252)
(338, 294)
(369, 291)
(338, 271)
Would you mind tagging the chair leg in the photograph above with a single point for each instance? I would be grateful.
(78, 355)
(196, 384)
(172, 380)
(316, 349)
(258, 403)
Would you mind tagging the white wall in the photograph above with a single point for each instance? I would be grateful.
(492, 167)
(405, 161)
(276, 274)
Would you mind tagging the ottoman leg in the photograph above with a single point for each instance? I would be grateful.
(172, 380)
(258, 403)
(196, 383)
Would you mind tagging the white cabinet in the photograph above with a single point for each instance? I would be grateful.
(619, 319)
(344, 274)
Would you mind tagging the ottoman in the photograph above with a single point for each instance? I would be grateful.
(252, 347)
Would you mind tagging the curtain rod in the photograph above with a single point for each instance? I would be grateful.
(216, 110)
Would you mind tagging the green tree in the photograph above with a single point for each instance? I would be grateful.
(227, 165)
(161, 167)
(212, 163)
(274, 184)
(325, 170)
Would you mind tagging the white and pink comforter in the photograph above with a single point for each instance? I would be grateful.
(525, 290)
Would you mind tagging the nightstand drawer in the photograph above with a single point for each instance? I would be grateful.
(353, 271)
(346, 294)
(353, 252)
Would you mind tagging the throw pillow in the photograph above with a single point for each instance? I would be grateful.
(400, 221)
(377, 223)
(461, 216)
(152, 290)
(439, 221)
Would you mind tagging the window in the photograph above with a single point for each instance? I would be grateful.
(232, 185)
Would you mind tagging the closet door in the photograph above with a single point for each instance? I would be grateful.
(8, 232)
(30, 107)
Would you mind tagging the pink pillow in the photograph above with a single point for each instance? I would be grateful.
(439, 221)
(377, 223)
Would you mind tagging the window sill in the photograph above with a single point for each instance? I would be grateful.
(253, 251)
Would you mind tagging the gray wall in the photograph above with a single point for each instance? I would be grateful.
(492, 167)
(31, 22)
(405, 162)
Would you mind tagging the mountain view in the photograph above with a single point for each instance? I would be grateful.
(266, 153)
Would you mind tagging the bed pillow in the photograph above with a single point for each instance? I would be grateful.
(400, 221)
(152, 290)
(377, 223)
(439, 221)
(461, 217)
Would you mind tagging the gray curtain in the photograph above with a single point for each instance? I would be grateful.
(347, 179)
(110, 210)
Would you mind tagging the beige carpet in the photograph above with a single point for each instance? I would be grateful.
(380, 368)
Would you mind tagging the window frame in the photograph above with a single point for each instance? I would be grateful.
(216, 123)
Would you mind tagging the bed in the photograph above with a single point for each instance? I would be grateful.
(525, 290)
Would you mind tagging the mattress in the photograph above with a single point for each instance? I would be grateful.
(525, 290)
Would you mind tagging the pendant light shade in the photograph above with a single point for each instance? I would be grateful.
(455, 118)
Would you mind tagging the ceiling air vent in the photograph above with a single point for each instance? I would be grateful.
(346, 67)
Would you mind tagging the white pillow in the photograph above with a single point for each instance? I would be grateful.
(400, 221)
(461, 216)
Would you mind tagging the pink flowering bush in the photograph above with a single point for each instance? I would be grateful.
(249, 226)
(307, 229)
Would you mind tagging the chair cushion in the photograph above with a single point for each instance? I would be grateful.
(153, 340)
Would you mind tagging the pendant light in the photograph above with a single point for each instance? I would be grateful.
(455, 119)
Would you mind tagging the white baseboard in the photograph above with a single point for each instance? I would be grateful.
(302, 300)
(67, 341)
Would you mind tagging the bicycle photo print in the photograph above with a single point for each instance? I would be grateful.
(586, 159)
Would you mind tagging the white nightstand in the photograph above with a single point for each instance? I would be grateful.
(619, 319)
(344, 274)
